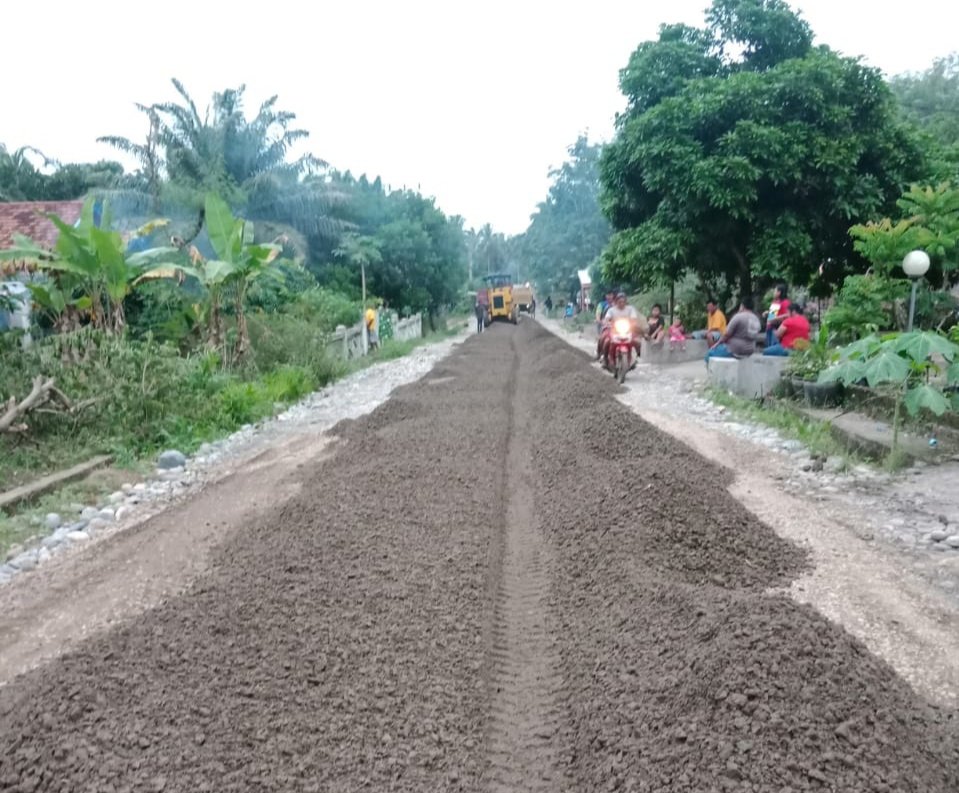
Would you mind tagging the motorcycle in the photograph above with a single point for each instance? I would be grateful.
(621, 348)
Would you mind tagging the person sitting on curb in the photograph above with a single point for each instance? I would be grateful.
(656, 325)
(739, 340)
(715, 323)
(777, 313)
(790, 330)
(677, 334)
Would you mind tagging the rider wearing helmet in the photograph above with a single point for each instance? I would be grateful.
(622, 310)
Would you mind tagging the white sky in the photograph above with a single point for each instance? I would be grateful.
(472, 102)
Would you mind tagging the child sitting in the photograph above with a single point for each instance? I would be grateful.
(677, 334)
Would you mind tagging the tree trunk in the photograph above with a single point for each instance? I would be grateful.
(215, 324)
(745, 275)
(242, 333)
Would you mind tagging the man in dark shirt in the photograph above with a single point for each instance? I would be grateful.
(739, 340)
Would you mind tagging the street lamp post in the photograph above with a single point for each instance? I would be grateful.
(915, 265)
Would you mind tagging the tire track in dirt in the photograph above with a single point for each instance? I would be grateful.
(525, 715)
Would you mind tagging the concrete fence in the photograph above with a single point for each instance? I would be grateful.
(347, 343)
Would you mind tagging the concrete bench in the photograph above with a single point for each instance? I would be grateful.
(665, 353)
(751, 377)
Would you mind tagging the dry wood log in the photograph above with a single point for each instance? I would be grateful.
(15, 410)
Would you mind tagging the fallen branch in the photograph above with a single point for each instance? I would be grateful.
(38, 395)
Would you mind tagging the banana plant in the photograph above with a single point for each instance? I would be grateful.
(239, 261)
(90, 271)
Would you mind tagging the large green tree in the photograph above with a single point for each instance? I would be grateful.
(753, 159)
(931, 100)
(568, 230)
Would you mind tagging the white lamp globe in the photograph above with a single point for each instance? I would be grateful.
(916, 264)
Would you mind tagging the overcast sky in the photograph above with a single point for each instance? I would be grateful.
(472, 102)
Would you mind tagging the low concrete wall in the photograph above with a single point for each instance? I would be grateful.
(751, 377)
(347, 343)
(666, 353)
(409, 328)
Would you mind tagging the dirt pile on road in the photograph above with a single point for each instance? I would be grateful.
(681, 674)
(337, 645)
(405, 620)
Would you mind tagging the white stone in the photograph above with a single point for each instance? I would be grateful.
(117, 497)
(834, 465)
(126, 487)
(106, 514)
(43, 555)
(953, 541)
(78, 536)
(89, 513)
(938, 535)
(52, 521)
(97, 524)
(139, 487)
(123, 512)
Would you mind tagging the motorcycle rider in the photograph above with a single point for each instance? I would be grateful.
(621, 310)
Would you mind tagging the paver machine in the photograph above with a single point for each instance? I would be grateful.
(499, 288)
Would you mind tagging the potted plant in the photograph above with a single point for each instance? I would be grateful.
(807, 361)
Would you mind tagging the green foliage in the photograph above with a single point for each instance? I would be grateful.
(928, 220)
(287, 339)
(931, 100)
(866, 304)
(810, 359)
(20, 180)
(89, 269)
(326, 309)
(568, 231)
(915, 368)
(756, 171)
(242, 159)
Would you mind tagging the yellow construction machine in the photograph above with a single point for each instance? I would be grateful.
(501, 305)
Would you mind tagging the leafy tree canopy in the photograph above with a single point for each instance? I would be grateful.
(755, 165)
(568, 230)
(931, 100)
(21, 180)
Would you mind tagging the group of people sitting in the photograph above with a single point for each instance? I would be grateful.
(785, 325)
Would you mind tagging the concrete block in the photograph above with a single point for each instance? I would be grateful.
(666, 353)
(723, 373)
(751, 377)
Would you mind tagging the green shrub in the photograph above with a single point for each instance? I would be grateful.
(326, 309)
(287, 340)
(288, 383)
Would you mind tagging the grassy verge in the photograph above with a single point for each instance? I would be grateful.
(814, 435)
(188, 401)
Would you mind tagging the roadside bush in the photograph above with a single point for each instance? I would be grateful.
(326, 309)
(284, 285)
(280, 340)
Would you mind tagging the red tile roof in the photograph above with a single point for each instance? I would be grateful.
(26, 217)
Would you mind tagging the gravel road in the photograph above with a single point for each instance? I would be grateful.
(484, 585)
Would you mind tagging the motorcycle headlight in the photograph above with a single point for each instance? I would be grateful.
(622, 327)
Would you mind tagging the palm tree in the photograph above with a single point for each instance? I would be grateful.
(19, 178)
(243, 160)
(146, 154)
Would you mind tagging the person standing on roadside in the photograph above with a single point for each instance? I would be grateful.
(371, 328)
(548, 304)
(482, 304)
